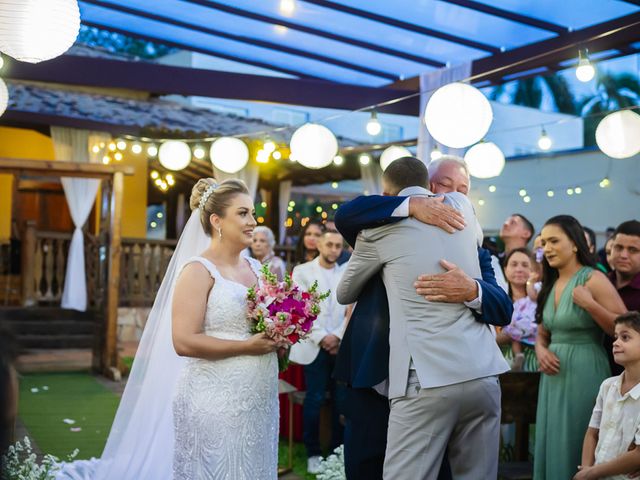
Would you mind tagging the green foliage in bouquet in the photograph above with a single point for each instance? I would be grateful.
(20, 463)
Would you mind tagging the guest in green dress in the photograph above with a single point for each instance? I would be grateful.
(575, 305)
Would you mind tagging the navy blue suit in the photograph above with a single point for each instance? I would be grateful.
(363, 358)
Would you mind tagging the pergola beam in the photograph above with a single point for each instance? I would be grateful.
(411, 27)
(242, 39)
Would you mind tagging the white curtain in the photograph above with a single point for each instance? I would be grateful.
(284, 196)
(248, 175)
(429, 83)
(371, 177)
(76, 146)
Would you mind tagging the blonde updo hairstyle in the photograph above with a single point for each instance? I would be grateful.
(218, 201)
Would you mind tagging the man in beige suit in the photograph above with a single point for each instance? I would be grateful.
(443, 365)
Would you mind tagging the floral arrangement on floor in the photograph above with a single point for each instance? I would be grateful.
(283, 310)
(332, 467)
(20, 463)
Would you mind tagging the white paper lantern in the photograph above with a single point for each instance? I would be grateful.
(313, 146)
(4, 97)
(174, 155)
(229, 154)
(484, 160)
(392, 153)
(37, 30)
(618, 134)
(458, 115)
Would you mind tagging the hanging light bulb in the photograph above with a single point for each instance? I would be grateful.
(269, 146)
(585, 70)
(287, 7)
(605, 182)
(364, 159)
(276, 155)
(544, 142)
(152, 150)
(337, 160)
(373, 125)
(522, 192)
(550, 193)
(492, 188)
(199, 152)
(118, 156)
(95, 149)
(436, 153)
(121, 145)
(136, 148)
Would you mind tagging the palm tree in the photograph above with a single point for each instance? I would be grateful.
(613, 92)
(530, 92)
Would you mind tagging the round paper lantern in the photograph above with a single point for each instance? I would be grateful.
(229, 154)
(4, 96)
(484, 160)
(458, 115)
(174, 155)
(313, 146)
(618, 134)
(392, 153)
(37, 30)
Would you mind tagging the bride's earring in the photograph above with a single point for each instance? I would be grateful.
(220, 233)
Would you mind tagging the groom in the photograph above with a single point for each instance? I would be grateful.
(363, 359)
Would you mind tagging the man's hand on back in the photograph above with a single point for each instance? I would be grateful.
(432, 211)
(452, 286)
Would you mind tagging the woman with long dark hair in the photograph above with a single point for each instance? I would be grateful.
(575, 305)
(307, 247)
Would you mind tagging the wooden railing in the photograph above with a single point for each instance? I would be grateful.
(143, 266)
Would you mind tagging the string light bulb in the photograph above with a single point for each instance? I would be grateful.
(605, 182)
(569, 191)
(550, 193)
(338, 160)
(522, 192)
(526, 199)
(287, 7)
(585, 70)
(544, 142)
(121, 145)
(492, 188)
(199, 152)
(577, 190)
(276, 155)
(95, 149)
(373, 125)
(152, 150)
(269, 146)
(136, 148)
(364, 159)
(118, 156)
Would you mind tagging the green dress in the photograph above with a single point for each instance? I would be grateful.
(566, 400)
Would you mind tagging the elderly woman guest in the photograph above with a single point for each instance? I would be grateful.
(262, 249)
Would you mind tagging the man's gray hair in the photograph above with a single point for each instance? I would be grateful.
(271, 239)
(435, 165)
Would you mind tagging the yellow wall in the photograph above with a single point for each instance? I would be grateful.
(18, 143)
(134, 209)
(22, 143)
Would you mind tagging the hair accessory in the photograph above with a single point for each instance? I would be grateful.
(207, 193)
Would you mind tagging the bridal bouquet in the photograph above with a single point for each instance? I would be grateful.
(282, 310)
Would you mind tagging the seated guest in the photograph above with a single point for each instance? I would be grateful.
(520, 334)
(262, 249)
(611, 446)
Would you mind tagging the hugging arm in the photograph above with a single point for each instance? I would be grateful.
(497, 308)
(364, 263)
(366, 212)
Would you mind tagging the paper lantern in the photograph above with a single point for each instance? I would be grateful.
(458, 115)
(37, 30)
(229, 154)
(4, 97)
(392, 153)
(174, 155)
(484, 160)
(618, 134)
(314, 146)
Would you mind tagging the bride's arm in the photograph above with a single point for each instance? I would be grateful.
(187, 319)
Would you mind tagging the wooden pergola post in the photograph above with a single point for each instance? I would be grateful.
(115, 174)
(110, 352)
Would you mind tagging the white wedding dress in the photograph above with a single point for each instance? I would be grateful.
(185, 418)
(226, 411)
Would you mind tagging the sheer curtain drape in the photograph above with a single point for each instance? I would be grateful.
(75, 146)
(429, 82)
(371, 177)
(284, 198)
(248, 175)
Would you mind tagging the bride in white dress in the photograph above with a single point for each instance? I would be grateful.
(226, 403)
(209, 411)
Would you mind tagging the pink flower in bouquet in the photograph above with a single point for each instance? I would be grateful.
(281, 309)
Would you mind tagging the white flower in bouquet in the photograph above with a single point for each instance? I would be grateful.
(332, 467)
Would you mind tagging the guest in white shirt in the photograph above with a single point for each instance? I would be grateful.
(612, 443)
(318, 352)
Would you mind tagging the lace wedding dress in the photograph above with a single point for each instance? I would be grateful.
(226, 411)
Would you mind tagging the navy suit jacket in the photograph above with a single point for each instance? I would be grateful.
(363, 358)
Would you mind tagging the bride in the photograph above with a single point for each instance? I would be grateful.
(202, 398)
